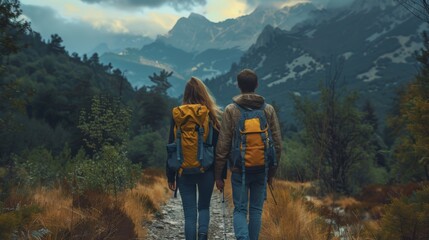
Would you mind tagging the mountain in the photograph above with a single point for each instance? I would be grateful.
(196, 33)
(138, 64)
(372, 42)
(198, 47)
(120, 42)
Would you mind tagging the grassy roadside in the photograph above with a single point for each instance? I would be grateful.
(58, 214)
(55, 213)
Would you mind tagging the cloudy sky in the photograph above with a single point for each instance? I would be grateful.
(84, 24)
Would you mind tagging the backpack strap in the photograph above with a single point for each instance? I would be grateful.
(266, 138)
(210, 136)
(242, 109)
(179, 145)
(200, 143)
(171, 133)
(243, 112)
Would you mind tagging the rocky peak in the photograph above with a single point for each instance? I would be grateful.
(267, 35)
(197, 17)
(304, 7)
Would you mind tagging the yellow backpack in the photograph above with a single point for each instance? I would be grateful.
(192, 150)
(252, 143)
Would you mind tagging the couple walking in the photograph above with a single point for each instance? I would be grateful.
(203, 141)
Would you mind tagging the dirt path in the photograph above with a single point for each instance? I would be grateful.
(169, 223)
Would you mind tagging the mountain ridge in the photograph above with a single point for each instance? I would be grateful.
(193, 36)
(196, 33)
(375, 49)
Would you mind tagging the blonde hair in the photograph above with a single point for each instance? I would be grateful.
(196, 92)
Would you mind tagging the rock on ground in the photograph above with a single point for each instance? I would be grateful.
(169, 223)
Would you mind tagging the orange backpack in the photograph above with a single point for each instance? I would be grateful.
(192, 150)
(252, 143)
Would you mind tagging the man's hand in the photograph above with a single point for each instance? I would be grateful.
(219, 185)
(172, 186)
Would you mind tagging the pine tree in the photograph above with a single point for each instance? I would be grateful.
(412, 151)
(55, 44)
(369, 115)
(161, 82)
(12, 26)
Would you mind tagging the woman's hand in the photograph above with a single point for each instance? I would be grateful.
(220, 185)
(172, 186)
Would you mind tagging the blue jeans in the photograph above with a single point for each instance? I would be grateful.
(188, 192)
(255, 184)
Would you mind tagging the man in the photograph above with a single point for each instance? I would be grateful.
(250, 196)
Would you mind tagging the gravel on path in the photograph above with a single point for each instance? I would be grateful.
(169, 222)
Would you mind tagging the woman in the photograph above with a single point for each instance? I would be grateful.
(196, 93)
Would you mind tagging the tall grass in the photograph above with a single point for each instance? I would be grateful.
(57, 209)
(291, 218)
(95, 215)
(143, 201)
(300, 215)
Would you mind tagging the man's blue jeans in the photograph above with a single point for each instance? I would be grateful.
(255, 189)
(188, 185)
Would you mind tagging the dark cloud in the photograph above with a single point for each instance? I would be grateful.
(259, 2)
(333, 3)
(78, 36)
(321, 3)
(178, 5)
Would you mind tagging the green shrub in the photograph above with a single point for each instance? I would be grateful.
(109, 171)
(407, 217)
(148, 149)
(294, 164)
(365, 173)
(37, 167)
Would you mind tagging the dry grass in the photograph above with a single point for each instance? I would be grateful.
(343, 202)
(100, 216)
(95, 215)
(298, 216)
(58, 212)
(298, 186)
(141, 202)
(290, 219)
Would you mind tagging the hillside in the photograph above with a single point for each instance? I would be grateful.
(372, 43)
(49, 88)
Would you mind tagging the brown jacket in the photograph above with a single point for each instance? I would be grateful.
(231, 117)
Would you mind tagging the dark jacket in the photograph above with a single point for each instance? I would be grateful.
(230, 118)
(171, 175)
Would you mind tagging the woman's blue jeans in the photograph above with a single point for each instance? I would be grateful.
(254, 190)
(188, 185)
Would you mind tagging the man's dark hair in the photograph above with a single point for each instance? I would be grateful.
(247, 81)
